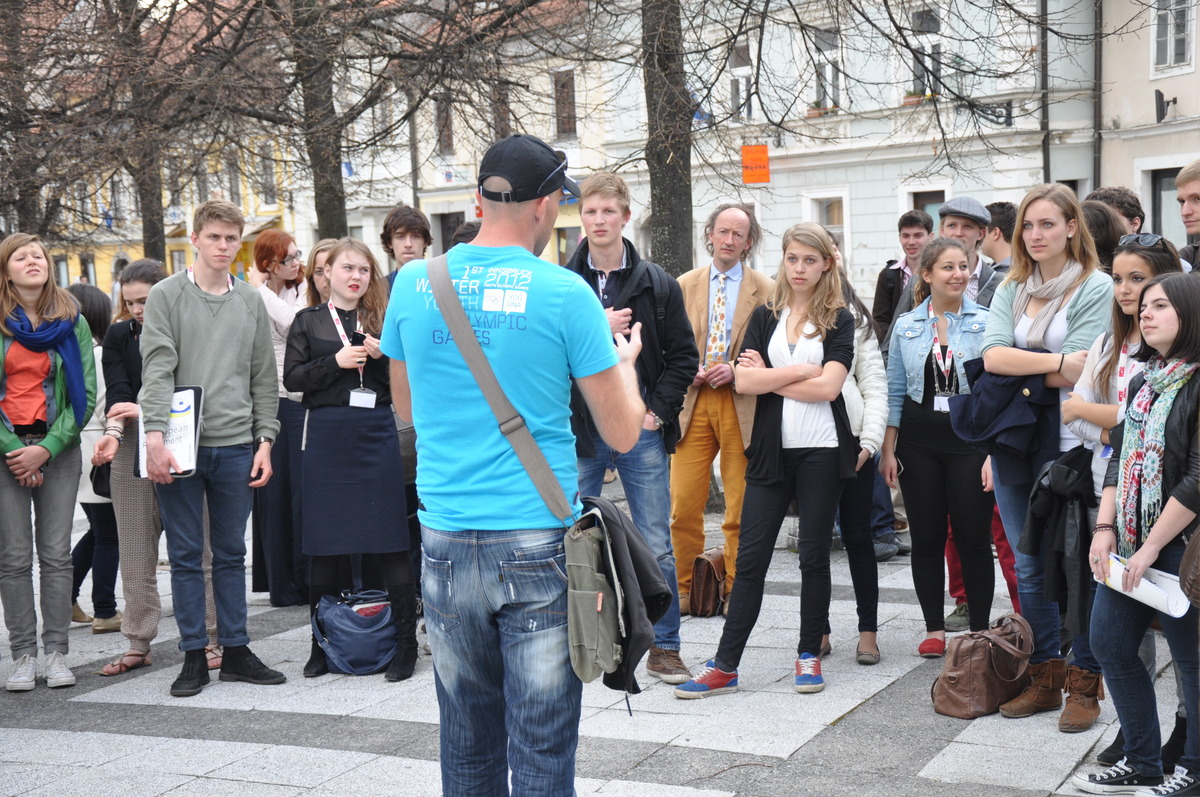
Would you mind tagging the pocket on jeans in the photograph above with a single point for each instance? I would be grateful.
(437, 593)
(538, 589)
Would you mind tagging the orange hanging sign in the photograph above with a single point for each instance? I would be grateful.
(756, 167)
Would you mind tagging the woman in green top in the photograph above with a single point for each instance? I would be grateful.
(47, 390)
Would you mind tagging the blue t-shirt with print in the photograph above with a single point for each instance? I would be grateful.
(539, 325)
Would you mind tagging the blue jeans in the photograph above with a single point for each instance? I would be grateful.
(496, 612)
(223, 477)
(645, 475)
(883, 516)
(1042, 614)
(1118, 625)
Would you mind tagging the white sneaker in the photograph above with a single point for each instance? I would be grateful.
(23, 676)
(57, 671)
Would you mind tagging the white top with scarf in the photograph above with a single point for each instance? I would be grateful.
(1056, 334)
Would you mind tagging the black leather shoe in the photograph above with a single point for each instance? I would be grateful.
(194, 675)
(242, 665)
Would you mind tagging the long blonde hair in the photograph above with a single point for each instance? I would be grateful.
(1081, 247)
(53, 304)
(827, 297)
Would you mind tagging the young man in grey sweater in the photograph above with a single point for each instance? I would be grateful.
(203, 327)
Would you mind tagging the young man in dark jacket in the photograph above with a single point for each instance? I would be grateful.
(631, 290)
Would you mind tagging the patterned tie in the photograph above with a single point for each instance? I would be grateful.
(715, 352)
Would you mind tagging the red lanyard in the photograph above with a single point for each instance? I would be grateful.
(943, 364)
(1122, 365)
(337, 324)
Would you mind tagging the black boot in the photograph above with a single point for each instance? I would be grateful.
(242, 665)
(1172, 751)
(1114, 752)
(404, 616)
(316, 665)
(194, 675)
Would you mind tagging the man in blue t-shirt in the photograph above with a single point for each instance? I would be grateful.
(494, 579)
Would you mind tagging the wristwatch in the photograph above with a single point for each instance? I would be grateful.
(258, 441)
(658, 422)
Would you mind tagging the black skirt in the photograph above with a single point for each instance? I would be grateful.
(353, 483)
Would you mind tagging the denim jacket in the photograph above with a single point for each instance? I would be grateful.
(911, 342)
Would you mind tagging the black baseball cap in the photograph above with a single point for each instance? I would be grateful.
(532, 168)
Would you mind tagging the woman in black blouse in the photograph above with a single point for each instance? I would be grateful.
(351, 459)
(797, 353)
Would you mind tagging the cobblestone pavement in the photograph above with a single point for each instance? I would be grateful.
(871, 732)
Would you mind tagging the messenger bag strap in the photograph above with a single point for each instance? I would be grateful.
(512, 425)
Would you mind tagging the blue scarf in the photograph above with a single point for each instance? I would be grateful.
(59, 336)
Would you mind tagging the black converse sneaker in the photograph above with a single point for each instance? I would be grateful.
(1120, 778)
(1181, 784)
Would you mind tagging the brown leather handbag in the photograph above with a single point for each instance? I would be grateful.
(708, 583)
(1189, 570)
(984, 669)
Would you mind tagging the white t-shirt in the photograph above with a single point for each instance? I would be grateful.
(1056, 335)
(805, 424)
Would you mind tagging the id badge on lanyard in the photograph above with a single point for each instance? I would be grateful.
(944, 365)
(359, 396)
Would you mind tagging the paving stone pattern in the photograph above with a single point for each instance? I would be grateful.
(871, 732)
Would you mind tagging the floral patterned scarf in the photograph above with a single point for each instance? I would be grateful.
(1139, 488)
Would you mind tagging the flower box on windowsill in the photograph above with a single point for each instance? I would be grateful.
(917, 99)
(818, 112)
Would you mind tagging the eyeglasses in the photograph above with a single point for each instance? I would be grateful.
(287, 261)
(1146, 239)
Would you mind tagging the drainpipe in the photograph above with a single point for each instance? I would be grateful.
(1044, 69)
(1097, 93)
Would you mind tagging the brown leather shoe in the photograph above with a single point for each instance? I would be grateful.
(1044, 692)
(666, 666)
(1084, 691)
(685, 603)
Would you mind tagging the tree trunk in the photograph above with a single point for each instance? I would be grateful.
(146, 172)
(669, 111)
(322, 129)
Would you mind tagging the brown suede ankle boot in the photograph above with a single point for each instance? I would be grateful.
(1084, 691)
(1044, 692)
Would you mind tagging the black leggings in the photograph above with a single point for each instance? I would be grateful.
(810, 475)
(937, 484)
(855, 510)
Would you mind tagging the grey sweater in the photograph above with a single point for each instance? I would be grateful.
(223, 344)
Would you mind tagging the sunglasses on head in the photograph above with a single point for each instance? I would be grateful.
(1146, 239)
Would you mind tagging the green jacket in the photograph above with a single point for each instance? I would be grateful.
(64, 432)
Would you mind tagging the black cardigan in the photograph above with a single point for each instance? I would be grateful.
(1181, 463)
(668, 362)
(121, 360)
(766, 438)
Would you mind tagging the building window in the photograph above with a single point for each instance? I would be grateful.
(178, 261)
(1164, 209)
(566, 241)
(444, 120)
(928, 201)
(830, 216)
(202, 181)
(829, 78)
(927, 70)
(87, 268)
(501, 112)
(1172, 33)
(267, 190)
(741, 82)
(564, 103)
(60, 271)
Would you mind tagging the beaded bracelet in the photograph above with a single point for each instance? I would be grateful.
(114, 433)
(1103, 527)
